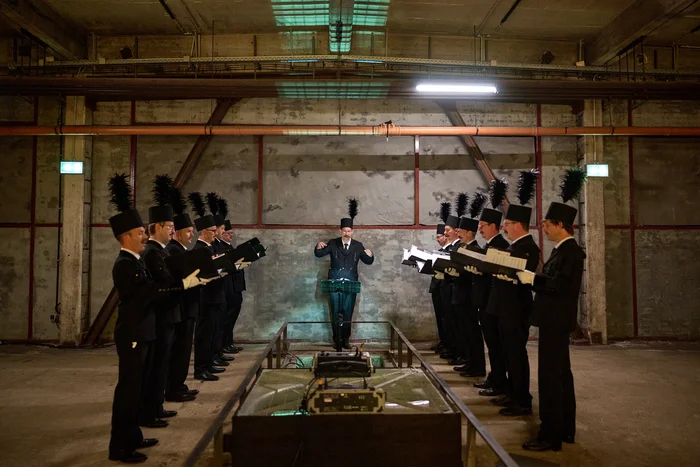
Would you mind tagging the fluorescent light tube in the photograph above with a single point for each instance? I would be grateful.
(458, 88)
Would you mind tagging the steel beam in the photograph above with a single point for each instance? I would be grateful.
(450, 109)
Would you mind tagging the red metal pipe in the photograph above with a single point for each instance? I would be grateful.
(538, 187)
(416, 180)
(32, 229)
(259, 212)
(333, 130)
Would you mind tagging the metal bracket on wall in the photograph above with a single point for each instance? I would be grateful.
(107, 310)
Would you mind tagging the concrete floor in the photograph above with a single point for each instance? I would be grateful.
(637, 405)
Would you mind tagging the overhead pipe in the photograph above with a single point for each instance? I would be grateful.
(336, 130)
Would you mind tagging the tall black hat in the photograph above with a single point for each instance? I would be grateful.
(569, 189)
(162, 211)
(181, 219)
(121, 198)
(213, 203)
(526, 190)
(223, 212)
(203, 220)
(352, 212)
(497, 194)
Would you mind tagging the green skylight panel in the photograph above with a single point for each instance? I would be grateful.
(295, 13)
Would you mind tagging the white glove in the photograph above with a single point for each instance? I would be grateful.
(223, 274)
(240, 264)
(439, 276)
(503, 277)
(193, 281)
(452, 272)
(526, 277)
(473, 270)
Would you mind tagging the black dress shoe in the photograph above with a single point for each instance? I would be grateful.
(485, 384)
(541, 445)
(503, 401)
(515, 411)
(226, 358)
(237, 347)
(215, 369)
(347, 346)
(568, 439)
(461, 368)
(133, 457)
(205, 376)
(155, 423)
(147, 443)
(181, 397)
(458, 361)
(166, 413)
(433, 348)
(473, 374)
(490, 392)
(446, 356)
(219, 362)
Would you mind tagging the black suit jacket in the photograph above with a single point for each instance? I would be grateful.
(167, 307)
(136, 320)
(514, 301)
(481, 283)
(344, 263)
(189, 299)
(462, 292)
(237, 282)
(557, 289)
(214, 292)
(434, 282)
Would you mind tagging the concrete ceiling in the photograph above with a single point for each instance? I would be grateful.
(533, 19)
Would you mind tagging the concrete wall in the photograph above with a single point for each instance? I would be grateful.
(306, 181)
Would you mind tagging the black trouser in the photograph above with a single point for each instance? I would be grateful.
(461, 333)
(342, 305)
(475, 341)
(514, 335)
(180, 356)
(556, 387)
(154, 385)
(448, 318)
(126, 434)
(205, 335)
(233, 310)
(437, 306)
(489, 328)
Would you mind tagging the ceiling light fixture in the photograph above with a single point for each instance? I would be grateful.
(458, 88)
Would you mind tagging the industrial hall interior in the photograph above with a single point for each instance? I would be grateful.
(315, 233)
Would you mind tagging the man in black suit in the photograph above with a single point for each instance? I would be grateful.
(234, 296)
(452, 351)
(160, 231)
(435, 294)
(495, 382)
(212, 301)
(345, 255)
(555, 312)
(511, 303)
(475, 365)
(135, 329)
(176, 389)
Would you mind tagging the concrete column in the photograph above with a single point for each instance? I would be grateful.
(75, 227)
(592, 220)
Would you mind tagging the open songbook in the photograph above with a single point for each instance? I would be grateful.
(428, 261)
(493, 262)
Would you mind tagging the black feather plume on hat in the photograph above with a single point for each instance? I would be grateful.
(213, 203)
(197, 203)
(162, 185)
(462, 203)
(352, 207)
(478, 202)
(223, 208)
(177, 201)
(445, 209)
(497, 192)
(572, 184)
(120, 192)
(526, 186)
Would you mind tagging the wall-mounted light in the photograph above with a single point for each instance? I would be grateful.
(457, 88)
(597, 170)
(71, 167)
